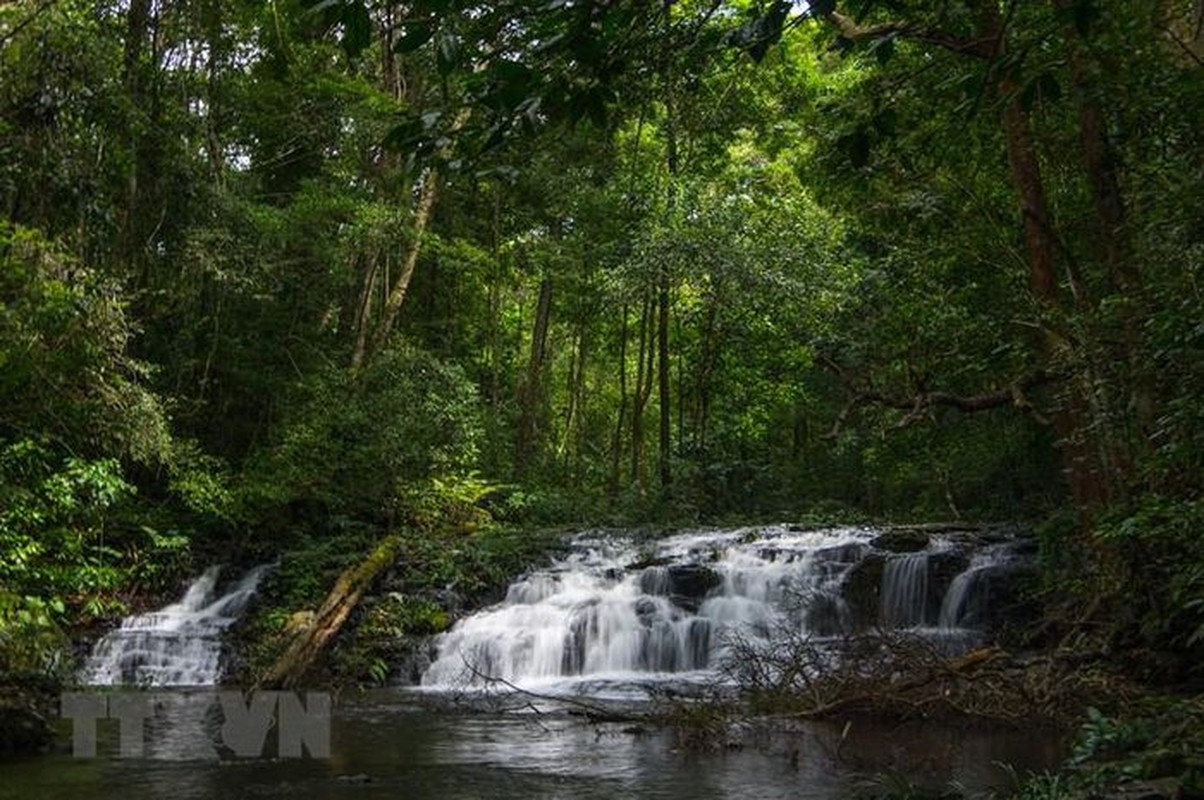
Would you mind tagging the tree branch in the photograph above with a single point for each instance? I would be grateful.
(1013, 395)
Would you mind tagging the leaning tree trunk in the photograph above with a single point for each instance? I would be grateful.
(428, 193)
(309, 642)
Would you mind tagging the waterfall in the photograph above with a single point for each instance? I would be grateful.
(178, 645)
(612, 609)
(905, 591)
(970, 596)
(615, 612)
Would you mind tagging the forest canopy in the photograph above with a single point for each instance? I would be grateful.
(292, 267)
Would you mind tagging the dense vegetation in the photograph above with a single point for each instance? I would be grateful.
(293, 277)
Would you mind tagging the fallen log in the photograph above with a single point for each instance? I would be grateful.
(314, 632)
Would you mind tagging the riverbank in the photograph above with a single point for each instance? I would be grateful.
(1016, 679)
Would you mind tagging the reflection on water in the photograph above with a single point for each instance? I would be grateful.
(385, 745)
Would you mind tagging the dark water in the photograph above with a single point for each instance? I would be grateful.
(393, 744)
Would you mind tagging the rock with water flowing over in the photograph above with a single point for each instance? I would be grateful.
(612, 611)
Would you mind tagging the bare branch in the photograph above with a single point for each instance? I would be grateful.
(1013, 395)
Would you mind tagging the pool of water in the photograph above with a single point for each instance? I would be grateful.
(397, 743)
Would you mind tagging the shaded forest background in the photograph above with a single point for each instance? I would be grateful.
(276, 276)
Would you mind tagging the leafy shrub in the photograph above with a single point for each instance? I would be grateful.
(1159, 544)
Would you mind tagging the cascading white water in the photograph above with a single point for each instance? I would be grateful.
(962, 602)
(178, 645)
(610, 609)
(613, 611)
(905, 591)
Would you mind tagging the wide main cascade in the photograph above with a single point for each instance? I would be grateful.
(616, 608)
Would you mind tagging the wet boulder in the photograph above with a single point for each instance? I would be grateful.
(848, 553)
(689, 584)
(862, 591)
(901, 540)
(998, 596)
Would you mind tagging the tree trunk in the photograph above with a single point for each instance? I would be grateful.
(1071, 421)
(643, 387)
(363, 312)
(616, 444)
(309, 642)
(138, 20)
(428, 193)
(1102, 164)
(662, 325)
(662, 361)
(530, 393)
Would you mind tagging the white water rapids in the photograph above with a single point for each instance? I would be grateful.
(617, 611)
(178, 645)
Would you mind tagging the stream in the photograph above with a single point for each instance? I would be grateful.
(392, 743)
(494, 709)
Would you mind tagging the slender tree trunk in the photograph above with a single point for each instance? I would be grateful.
(495, 306)
(616, 444)
(706, 368)
(643, 387)
(531, 390)
(576, 404)
(213, 116)
(662, 326)
(138, 22)
(662, 360)
(428, 193)
(363, 312)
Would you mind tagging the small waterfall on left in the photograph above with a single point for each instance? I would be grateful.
(178, 645)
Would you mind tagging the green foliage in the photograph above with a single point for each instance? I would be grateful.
(1102, 738)
(1038, 786)
(52, 524)
(1161, 739)
(64, 348)
(31, 639)
(356, 443)
(202, 212)
(1159, 545)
